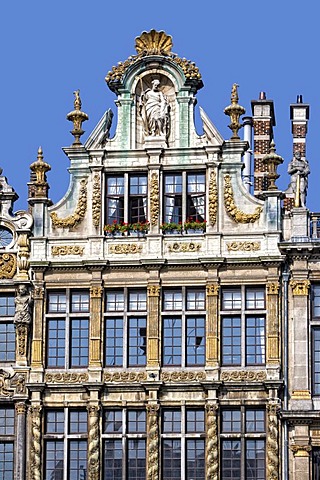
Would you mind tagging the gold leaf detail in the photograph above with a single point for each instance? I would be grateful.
(126, 248)
(244, 246)
(96, 201)
(179, 247)
(67, 250)
(74, 219)
(154, 199)
(213, 198)
(233, 211)
(8, 265)
(153, 43)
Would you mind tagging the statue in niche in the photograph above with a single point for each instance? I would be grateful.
(23, 302)
(299, 170)
(154, 110)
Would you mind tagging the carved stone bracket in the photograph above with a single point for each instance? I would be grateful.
(63, 250)
(213, 198)
(243, 375)
(300, 287)
(233, 211)
(154, 199)
(8, 265)
(96, 201)
(182, 376)
(11, 385)
(181, 247)
(66, 377)
(126, 248)
(125, 377)
(243, 246)
(73, 220)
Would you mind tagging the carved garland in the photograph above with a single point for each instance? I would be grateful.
(35, 473)
(212, 456)
(213, 198)
(65, 377)
(125, 377)
(272, 443)
(183, 376)
(67, 250)
(243, 246)
(179, 247)
(126, 248)
(96, 201)
(153, 442)
(233, 211)
(74, 219)
(154, 199)
(243, 375)
(93, 447)
(8, 265)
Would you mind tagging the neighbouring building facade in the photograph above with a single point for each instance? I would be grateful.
(162, 320)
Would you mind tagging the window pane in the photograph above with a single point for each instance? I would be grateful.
(54, 460)
(231, 421)
(137, 355)
(79, 342)
(137, 300)
(255, 421)
(173, 198)
(79, 302)
(114, 342)
(6, 421)
(7, 306)
(57, 302)
(255, 340)
(115, 199)
(195, 459)
(77, 460)
(196, 340)
(171, 421)
(138, 199)
(55, 421)
(172, 331)
(231, 341)
(7, 342)
(171, 459)
(78, 422)
(196, 197)
(138, 185)
(255, 298)
(316, 360)
(136, 459)
(56, 342)
(6, 461)
(316, 301)
(255, 460)
(231, 460)
(231, 299)
(195, 421)
(114, 301)
(196, 299)
(136, 421)
(112, 421)
(172, 300)
(112, 460)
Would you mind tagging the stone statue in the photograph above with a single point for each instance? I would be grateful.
(154, 110)
(23, 305)
(299, 167)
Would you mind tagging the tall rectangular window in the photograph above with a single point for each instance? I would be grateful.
(183, 445)
(124, 444)
(126, 327)
(68, 329)
(243, 326)
(184, 197)
(183, 327)
(7, 331)
(7, 430)
(242, 447)
(65, 444)
(315, 338)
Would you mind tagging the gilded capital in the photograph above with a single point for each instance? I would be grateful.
(20, 408)
(300, 287)
(272, 288)
(96, 292)
(212, 289)
(301, 450)
(153, 290)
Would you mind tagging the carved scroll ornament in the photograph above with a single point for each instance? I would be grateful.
(183, 376)
(300, 287)
(181, 247)
(66, 377)
(154, 199)
(126, 248)
(233, 211)
(10, 385)
(74, 219)
(243, 375)
(213, 198)
(8, 265)
(63, 250)
(96, 201)
(125, 377)
(243, 246)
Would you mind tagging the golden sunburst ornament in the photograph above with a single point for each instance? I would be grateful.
(153, 43)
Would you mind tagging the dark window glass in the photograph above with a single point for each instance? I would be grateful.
(195, 449)
(315, 301)
(138, 199)
(231, 421)
(77, 460)
(115, 199)
(171, 459)
(255, 298)
(57, 302)
(231, 299)
(114, 301)
(112, 459)
(79, 342)
(171, 421)
(316, 360)
(315, 463)
(173, 198)
(255, 340)
(196, 299)
(231, 460)
(195, 421)
(172, 300)
(196, 196)
(136, 421)
(56, 339)
(136, 459)
(7, 342)
(6, 460)
(114, 342)
(78, 422)
(54, 455)
(6, 421)
(137, 354)
(112, 421)
(172, 331)
(7, 306)
(196, 339)
(137, 300)
(80, 302)
(255, 460)
(255, 421)
(231, 341)
(55, 421)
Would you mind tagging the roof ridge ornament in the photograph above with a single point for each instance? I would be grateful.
(153, 43)
(235, 111)
(77, 117)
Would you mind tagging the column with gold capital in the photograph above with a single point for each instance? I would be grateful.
(212, 350)
(273, 441)
(153, 441)
(37, 326)
(95, 326)
(273, 348)
(20, 444)
(153, 331)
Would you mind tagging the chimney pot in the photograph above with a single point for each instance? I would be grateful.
(262, 96)
(299, 99)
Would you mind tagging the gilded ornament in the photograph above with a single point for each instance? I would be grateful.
(154, 199)
(22, 339)
(153, 441)
(233, 211)
(300, 287)
(243, 246)
(273, 441)
(35, 448)
(301, 395)
(74, 219)
(63, 250)
(301, 450)
(273, 288)
(125, 377)
(66, 377)
(96, 201)
(77, 117)
(213, 198)
(212, 447)
(18, 382)
(126, 248)
(179, 247)
(8, 265)
(183, 376)
(153, 43)
(212, 289)
(243, 375)
(40, 168)
(234, 111)
(96, 292)
(21, 408)
(23, 256)
(153, 290)
(93, 443)
(12, 384)
(38, 293)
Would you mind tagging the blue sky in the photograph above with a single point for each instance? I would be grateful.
(50, 49)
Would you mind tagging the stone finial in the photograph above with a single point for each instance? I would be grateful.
(272, 160)
(77, 117)
(234, 111)
(39, 168)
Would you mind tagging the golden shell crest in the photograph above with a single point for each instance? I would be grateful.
(153, 43)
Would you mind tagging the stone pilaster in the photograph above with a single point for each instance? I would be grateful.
(273, 353)
(93, 443)
(95, 326)
(273, 442)
(35, 447)
(212, 444)
(20, 446)
(301, 453)
(212, 348)
(38, 314)
(153, 441)
(153, 331)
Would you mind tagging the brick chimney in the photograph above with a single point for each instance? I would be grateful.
(263, 123)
